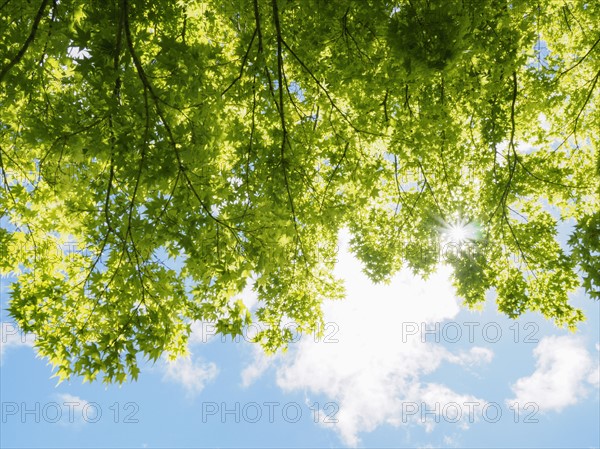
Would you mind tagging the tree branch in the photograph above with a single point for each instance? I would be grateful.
(28, 41)
(245, 58)
(333, 104)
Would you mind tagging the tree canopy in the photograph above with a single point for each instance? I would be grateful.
(191, 147)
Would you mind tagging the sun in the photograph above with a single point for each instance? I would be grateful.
(459, 232)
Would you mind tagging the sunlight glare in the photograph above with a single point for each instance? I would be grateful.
(459, 232)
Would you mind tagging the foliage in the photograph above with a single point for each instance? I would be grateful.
(236, 139)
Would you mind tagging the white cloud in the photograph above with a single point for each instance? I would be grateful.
(193, 375)
(373, 370)
(563, 369)
(544, 123)
(248, 295)
(594, 377)
(12, 337)
(75, 400)
(439, 403)
(450, 441)
(74, 411)
(477, 355)
(259, 365)
(202, 332)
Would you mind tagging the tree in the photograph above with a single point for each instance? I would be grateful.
(237, 138)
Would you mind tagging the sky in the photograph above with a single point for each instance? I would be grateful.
(398, 365)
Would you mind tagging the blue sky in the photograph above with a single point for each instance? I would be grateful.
(400, 365)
